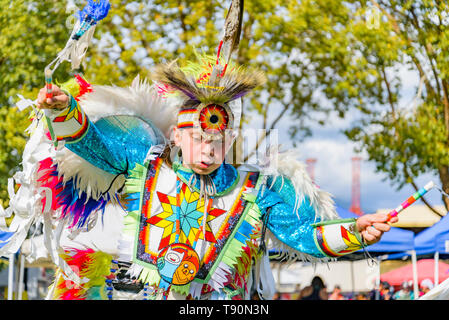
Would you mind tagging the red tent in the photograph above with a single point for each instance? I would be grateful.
(426, 270)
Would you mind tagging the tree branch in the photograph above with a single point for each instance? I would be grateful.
(390, 94)
(267, 132)
(445, 97)
(407, 176)
(404, 34)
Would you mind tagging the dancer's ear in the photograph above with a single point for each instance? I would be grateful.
(177, 136)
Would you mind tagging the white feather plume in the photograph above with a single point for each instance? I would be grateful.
(140, 99)
(286, 164)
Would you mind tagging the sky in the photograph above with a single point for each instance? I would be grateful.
(333, 173)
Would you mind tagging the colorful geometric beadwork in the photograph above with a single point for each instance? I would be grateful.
(71, 124)
(336, 240)
(161, 226)
(191, 216)
(186, 118)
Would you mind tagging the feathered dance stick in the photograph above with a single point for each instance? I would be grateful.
(74, 51)
(411, 199)
(82, 33)
(76, 48)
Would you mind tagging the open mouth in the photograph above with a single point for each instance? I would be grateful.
(205, 165)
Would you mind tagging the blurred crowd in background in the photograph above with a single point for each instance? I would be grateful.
(317, 290)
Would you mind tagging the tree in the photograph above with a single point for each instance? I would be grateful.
(138, 34)
(31, 32)
(355, 51)
(412, 141)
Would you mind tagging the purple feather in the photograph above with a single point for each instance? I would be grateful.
(76, 205)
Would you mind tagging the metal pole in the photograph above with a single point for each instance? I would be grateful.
(279, 277)
(352, 277)
(377, 285)
(415, 275)
(11, 277)
(436, 270)
(21, 273)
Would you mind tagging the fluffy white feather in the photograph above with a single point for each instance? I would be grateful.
(140, 99)
(286, 164)
(88, 178)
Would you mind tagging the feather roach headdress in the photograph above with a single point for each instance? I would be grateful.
(212, 87)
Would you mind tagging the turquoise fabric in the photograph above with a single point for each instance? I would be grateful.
(283, 222)
(225, 177)
(115, 144)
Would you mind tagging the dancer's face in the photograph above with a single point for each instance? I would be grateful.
(201, 155)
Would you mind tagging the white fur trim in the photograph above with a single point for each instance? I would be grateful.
(286, 164)
(140, 99)
(88, 178)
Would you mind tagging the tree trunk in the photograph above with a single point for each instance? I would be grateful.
(444, 177)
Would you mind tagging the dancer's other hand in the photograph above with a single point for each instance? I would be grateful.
(59, 100)
(372, 226)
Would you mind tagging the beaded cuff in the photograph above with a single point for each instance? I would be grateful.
(70, 124)
(337, 237)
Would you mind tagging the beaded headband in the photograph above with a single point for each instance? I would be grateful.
(212, 119)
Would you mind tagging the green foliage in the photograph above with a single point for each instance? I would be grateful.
(319, 56)
(357, 50)
(30, 33)
(406, 142)
(138, 34)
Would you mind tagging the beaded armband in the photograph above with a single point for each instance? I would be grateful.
(70, 124)
(337, 237)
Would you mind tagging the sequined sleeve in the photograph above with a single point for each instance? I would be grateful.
(301, 230)
(114, 144)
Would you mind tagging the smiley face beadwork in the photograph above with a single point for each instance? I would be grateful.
(178, 264)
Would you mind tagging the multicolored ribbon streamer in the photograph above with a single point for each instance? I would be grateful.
(76, 47)
(411, 199)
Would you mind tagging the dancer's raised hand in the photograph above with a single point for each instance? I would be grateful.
(59, 100)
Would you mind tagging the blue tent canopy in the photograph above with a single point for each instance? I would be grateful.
(433, 239)
(395, 240)
(5, 237)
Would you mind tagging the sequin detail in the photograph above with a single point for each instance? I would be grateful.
(284, 223)
(115, 144)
